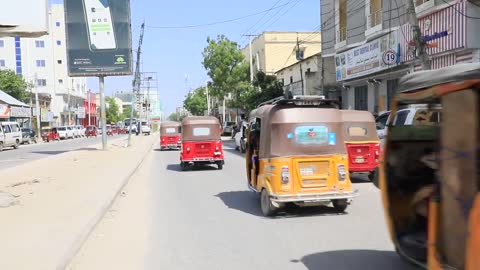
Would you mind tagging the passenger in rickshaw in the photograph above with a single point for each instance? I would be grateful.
(255, 146)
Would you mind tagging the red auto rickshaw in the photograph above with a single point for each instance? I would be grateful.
(362, 142)
(201, 142)
(170, 135)
(49, 134)
(91, 131)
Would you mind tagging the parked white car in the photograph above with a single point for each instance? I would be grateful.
(65, 132)
(75, 131)
(241, 138)
(408, 115)
(10, 135)
(145, 128)
(81, 130)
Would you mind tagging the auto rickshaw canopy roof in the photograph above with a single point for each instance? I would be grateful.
(429, 85)
(359, 126)
(166, 124)
(191, 123)
(280, 119)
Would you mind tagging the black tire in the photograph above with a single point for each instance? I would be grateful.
(340, 205)
(1, 146)
(220, 165)
(373, 176)
(242, 148)
(183, 166)
(237, 148)
(17, 144)
(266, 205)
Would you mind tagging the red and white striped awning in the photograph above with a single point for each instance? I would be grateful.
(445, 27)
(448, 60)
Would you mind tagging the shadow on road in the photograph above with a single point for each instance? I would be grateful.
(359, 179)
(355, 260)
(233, 151)
(58, 152)
(166, 150)
(177, 168)
(249, 202)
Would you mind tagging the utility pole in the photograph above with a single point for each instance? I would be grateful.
(208, 99)
(37, 105)
(136, 83)
(251, 54)
(299, 57)
(420, 44)
(148, 99)
(322, 79)
(68, 104)
(103, 113)
(89, 108)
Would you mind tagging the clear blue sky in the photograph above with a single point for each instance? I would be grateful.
(173, 53)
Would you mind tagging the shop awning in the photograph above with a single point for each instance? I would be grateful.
(6, 98)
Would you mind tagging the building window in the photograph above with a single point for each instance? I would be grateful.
(342, 26)
(40, 44)
(420, 2)
(374, 17)
(2, 43)
(59, 42)
(40, 63)
(59, 61)
(361, 98)
(57, 24)
(2, 63)
(60, 81)
(41, 82)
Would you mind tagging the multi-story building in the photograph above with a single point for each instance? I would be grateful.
(371, 41)
(273, 51)
(42, 62)
(305, 77)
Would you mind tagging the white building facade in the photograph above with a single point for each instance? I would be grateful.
(43, 62)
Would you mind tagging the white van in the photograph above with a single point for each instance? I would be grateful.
(12, 135)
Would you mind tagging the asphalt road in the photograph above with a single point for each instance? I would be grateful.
(13, 157)
(206, 219)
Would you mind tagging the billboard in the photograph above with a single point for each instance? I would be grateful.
(18, 21)
(99, 37)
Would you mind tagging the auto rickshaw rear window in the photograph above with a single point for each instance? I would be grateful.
(311, 135)
(170, 130)
(357, 131)
(201, 131)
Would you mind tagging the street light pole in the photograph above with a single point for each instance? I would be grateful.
(103, 113)
(208, 99)
(89, 108)
(37, 105)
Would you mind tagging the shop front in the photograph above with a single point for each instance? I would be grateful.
(22, 115)
(368, 72)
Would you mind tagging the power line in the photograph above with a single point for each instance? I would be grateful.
(217, 22)
(460, 12)
(264, 15)
(286, 11)
(273, 16)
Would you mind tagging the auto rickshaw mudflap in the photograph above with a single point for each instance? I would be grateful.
(429, 176)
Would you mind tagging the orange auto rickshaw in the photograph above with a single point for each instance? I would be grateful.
(430, 173)
(201, 142)
(363, 144)
(296, 154)
(170, 135)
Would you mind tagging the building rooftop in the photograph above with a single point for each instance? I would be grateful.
(11, 100)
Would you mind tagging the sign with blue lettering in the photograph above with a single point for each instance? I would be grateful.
(332, 138)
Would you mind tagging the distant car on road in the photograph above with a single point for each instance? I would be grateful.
(145, 128)
(65, 132)
(10, 135)
(28, 136)
(228, 128)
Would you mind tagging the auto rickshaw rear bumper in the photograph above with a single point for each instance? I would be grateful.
(317, 197)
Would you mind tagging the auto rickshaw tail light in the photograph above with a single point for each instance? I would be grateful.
(188, 149)
(285, 175)
(342, 173)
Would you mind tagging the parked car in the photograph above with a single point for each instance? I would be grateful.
(65, 132)
(145, 128)
(241, 138)
(228, 128)
(81, 130)
(28, 136)
(12, 135)
(75, 131)
(381, 123)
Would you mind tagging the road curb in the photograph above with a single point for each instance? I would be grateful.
(90, 227)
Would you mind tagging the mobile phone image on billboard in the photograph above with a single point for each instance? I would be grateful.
(99, 20)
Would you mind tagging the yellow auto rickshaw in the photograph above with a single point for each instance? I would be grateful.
(429, 176)
(296, 154)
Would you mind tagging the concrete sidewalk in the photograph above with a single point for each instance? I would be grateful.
(59, 200)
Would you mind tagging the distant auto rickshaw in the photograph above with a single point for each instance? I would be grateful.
(170, 135)
(363, 144)
(49, 134)
(296, 154)
(429, 175)
(201, 142)
(91, 131)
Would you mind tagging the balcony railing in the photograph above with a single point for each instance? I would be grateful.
(342, 34)
(375, 18)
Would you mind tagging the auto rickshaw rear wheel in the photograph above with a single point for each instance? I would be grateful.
(220, 165)
(340, 205)
(268, 209)
(183, 166)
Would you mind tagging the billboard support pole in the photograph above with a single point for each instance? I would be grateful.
(103, 112)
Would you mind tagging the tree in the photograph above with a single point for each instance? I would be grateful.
(127, 111)
(176, 117)
(196, 101)
(14, 85)
(225, 64)
(112, 111)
